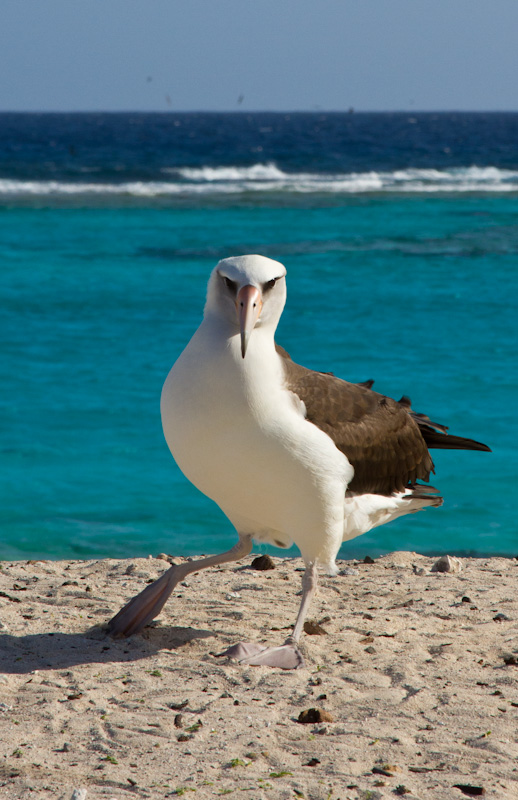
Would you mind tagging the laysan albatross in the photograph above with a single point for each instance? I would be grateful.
(289, 455)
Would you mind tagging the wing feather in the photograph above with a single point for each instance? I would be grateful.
(378, 435)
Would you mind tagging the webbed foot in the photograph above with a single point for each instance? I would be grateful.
(143, 608)
(287, 656)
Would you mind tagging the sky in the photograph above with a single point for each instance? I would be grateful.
(277, 55)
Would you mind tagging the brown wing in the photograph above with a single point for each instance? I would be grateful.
(377, 434)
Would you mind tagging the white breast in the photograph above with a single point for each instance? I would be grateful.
(241, 438)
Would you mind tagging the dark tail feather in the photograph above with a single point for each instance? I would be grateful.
(429, 493)
(422, 420)
(435, 434)
(443, 441)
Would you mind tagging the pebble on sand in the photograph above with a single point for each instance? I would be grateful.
(263, 563)
(447, 564)
(312, 628)
(312, 715)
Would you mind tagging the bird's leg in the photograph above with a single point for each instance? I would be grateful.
(288, 655)
(309, 586)
(143, 608)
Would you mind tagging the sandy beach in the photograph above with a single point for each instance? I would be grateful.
(414, 678)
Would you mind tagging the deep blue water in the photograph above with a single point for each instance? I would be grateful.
(400, 237)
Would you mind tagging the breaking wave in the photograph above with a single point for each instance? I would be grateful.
(269, 178)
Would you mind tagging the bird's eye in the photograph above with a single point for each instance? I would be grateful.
(270, 284)
(231, 285)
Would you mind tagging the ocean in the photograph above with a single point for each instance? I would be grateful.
(400, 236)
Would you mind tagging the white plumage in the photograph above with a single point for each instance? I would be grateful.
(241, 438)
(241, 435)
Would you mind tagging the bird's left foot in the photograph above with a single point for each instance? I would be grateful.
(287, 656)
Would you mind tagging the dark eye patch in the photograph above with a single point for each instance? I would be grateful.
(231, 285)
(269, 284)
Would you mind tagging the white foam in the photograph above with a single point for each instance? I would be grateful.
(268, 178)
(42, 188)
(257, 172)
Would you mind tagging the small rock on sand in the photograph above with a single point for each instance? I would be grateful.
(447, 564)
(312, 628)
(263, 563)
(312, 715)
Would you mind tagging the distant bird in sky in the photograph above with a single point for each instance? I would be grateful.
(289, 455)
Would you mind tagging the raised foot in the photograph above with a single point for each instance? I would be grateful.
(143, 608)
(287, 656)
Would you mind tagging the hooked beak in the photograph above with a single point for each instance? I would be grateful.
(248, 306)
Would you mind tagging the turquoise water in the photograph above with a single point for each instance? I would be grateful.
(400, 237)
(417, 291)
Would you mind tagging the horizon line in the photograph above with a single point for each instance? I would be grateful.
(348, 111)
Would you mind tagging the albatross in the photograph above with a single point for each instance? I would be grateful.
(290, 455)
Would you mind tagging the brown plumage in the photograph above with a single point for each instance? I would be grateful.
(290, 489)
(385, 441)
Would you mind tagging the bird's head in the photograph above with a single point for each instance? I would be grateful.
(247, 292)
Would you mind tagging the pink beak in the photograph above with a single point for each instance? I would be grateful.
(248, 306)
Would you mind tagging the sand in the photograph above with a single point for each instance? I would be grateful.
(415, 682)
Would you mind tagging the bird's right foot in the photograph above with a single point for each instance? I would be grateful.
(287, 656)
